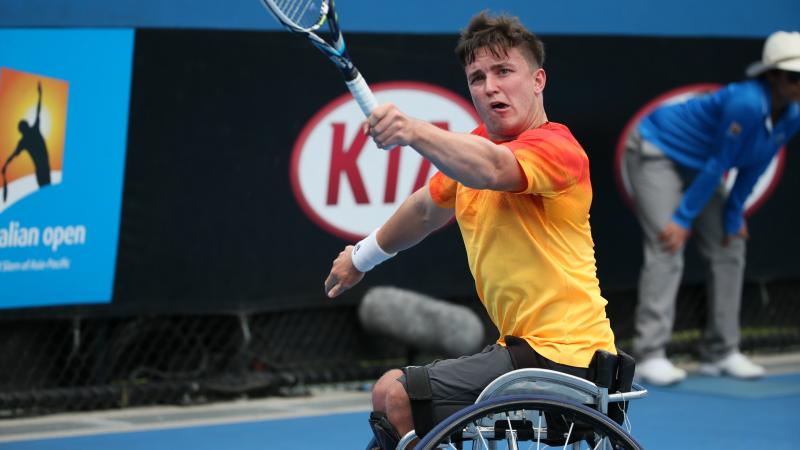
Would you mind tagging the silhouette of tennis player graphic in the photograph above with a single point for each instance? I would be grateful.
(33, 142)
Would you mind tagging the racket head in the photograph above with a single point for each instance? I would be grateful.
(299, 15)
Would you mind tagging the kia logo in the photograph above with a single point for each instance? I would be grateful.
(343, 181)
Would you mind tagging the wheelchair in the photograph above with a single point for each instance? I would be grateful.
(539, 408)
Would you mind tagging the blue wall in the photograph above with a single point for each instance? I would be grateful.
(725, 18)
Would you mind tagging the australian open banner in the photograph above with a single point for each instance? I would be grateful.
(64, 98)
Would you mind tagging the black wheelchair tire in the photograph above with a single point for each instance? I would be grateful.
(618, 436)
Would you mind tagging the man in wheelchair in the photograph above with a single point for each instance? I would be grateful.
(519, 188)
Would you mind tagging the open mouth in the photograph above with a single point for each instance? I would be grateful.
(499, 106)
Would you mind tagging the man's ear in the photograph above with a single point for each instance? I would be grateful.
(539, 80)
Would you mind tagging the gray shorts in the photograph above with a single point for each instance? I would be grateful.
(456, 383)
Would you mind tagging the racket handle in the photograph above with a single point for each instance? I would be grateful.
(363, 94)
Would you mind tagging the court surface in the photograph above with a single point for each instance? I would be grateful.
(701, 413)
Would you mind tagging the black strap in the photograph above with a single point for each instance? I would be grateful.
(386, 436)
(419, 392)
(521, 355)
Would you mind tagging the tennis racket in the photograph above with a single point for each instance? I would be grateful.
(308, 17)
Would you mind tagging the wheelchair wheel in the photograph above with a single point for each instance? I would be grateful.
(542, 422)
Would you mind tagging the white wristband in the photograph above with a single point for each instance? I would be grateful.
(368, 254)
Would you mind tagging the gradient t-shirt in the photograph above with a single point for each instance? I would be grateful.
(531, 253)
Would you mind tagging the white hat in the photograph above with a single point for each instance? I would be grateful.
(781, 51)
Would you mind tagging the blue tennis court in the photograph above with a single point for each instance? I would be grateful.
(701, 413)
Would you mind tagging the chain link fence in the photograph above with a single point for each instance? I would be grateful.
(79, 363)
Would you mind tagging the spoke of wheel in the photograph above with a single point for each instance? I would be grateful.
(569, 434)
(480, 435)
(511, 435)
(538, 433)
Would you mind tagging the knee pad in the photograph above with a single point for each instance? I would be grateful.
(386, 435)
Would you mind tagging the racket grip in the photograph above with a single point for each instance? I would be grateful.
(363, 94)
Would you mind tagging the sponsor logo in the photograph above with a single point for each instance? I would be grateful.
(735, 129)
(33, 117)
(761, 191)
(346, 184)
(64, 101)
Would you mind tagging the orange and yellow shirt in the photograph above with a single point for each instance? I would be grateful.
(531, 252)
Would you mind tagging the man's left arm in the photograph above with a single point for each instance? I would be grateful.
(746, 178)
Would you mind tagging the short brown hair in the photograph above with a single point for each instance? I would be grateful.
(497, 35)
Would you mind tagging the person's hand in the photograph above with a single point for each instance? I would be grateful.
(389, 127)
(344, 274)
(673, 237)
(741, 234)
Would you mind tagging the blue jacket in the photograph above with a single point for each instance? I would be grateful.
(716, 132)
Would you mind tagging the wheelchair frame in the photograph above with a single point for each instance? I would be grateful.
(523, 391)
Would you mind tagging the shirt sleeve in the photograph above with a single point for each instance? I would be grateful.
(443, 190)
(551, 164)
(738, 119)
(746, 178)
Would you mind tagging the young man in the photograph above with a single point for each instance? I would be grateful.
(519, 188)
(675, 162)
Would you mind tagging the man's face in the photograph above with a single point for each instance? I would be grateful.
(789, 85)
(506, 92)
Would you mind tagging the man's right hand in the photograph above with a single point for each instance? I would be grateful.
(673, 237)
(390, 127)
(344, 274)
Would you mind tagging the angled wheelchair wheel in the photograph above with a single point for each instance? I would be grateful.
(528, 422)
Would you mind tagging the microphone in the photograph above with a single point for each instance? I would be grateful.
(421, 321)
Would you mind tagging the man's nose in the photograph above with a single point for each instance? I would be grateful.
(490, 85)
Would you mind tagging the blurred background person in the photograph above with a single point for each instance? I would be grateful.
(676, 161)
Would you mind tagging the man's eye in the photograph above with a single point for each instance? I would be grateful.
(475, 79)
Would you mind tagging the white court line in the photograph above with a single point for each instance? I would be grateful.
(170, 417)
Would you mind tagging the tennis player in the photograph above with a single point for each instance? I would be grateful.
(519, 188)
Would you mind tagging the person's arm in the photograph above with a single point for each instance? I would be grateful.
(13, 155)
(415, 219)
(38, 105)
(729, 138)
(473, 161)
(704, 184)
(746, 178)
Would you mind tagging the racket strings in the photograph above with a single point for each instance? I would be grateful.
(304, 13)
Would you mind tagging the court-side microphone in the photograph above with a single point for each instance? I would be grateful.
(421, 321)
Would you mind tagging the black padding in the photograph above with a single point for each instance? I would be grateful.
(386, 436)
(623, 382)
(418, 384)
(603, 369)
(373, 444)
